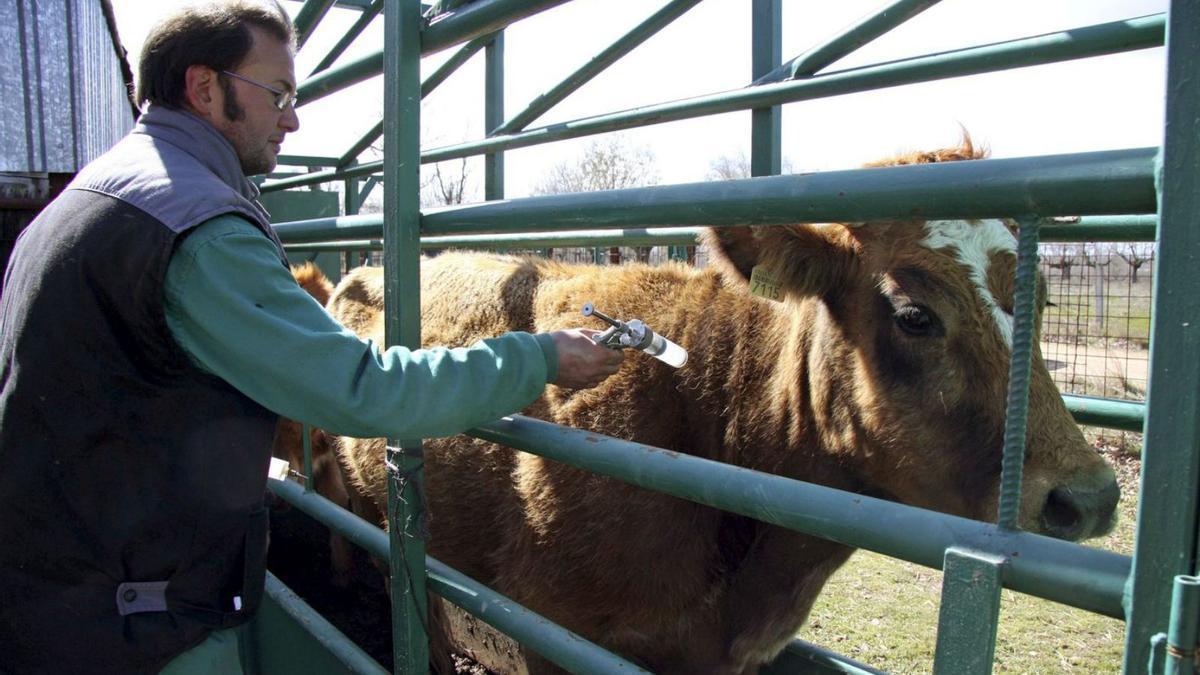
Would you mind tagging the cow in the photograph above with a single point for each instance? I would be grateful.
(879, 368)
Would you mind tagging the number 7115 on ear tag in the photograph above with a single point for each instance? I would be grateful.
(764, 285)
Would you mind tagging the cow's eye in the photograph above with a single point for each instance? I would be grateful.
(916, 320)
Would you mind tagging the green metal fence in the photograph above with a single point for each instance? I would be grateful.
(1152, 591)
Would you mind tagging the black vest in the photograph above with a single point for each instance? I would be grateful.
(132, 519)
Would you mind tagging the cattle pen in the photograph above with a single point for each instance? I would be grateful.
(1153, 591)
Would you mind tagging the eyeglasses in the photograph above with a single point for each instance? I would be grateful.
(282, 98)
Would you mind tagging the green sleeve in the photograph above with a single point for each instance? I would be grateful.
(240, 315)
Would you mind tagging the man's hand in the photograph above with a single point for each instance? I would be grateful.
(581, 362)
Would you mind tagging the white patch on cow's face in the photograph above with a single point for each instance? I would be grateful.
(974, 244)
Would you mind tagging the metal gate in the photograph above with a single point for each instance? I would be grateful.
(1151, 591)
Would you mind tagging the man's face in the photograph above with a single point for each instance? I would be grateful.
(248, 117)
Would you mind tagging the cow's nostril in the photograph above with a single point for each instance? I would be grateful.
(1061, 515)
(1078, 514)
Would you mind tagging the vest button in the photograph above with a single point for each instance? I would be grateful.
(129, 595)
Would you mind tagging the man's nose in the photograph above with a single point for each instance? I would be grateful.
(289, 121)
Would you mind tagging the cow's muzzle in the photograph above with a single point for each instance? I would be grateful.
(1074, 513)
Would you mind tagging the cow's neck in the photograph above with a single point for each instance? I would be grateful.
(748, 382)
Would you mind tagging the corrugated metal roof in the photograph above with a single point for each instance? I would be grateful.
(63, 96)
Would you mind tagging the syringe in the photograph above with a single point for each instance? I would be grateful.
(636, 335)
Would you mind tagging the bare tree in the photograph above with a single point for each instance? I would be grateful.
(609, 163)
(442, 187)
(1062, 258)
(1135, 254)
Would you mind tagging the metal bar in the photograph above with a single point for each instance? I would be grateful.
(969, 613)
(1118, 181)
(1106, 412)
(368, 185)
(308, 17)
(1083, 42)
(1102, 228)
(437, 77)
(860, 33)
(402, 325)
(306, 439)
(472, 21)
(493, 114)
(1016, 418)
(360, 24)
(352, 154)
(348, 655)
(1087, 578)
(478, 18)
(561, 646)
(307, 160)
(610, 55)
(1108, 38)
(456, 60)
(766, 123)
(1167, 514)
(1184, 627)
(1112, 181)
(800, 656)
(336, 79)
(325, 176)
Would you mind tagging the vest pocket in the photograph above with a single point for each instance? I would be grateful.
(234, 606)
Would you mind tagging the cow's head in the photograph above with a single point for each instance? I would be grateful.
(905, 333)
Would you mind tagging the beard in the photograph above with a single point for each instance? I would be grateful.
(253, 161)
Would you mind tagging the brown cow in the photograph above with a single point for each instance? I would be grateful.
(881, 370)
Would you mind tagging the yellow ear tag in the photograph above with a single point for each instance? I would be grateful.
(764, 285)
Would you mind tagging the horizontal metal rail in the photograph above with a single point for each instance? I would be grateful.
(1089, 228)
(557, 644)
(1108, 38)
(1108, 182)
(1083, 42)
(348, 655)
(1109, 413)
(1087, 578)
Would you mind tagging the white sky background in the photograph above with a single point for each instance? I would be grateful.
(1101, 103)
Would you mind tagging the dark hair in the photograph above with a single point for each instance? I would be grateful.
(216, 35)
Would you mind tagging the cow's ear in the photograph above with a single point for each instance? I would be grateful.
(803, 259)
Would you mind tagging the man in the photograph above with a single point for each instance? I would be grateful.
(150, 335)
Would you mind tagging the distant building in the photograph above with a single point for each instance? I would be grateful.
(64, 100)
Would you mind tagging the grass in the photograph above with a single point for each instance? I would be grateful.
(884, 612)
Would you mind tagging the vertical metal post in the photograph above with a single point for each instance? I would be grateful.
(402, 311)
(1017, 414)
(306, 438)
(351, 204)
(765, 123)
(493, 115)
(1184, 627)
(970, 612)
(1167, 513)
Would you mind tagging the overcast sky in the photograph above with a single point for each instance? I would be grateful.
(1091, 104)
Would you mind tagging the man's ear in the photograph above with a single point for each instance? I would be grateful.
(202, 91)
(805, 259)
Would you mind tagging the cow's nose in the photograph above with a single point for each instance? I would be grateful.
(1074, 514)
